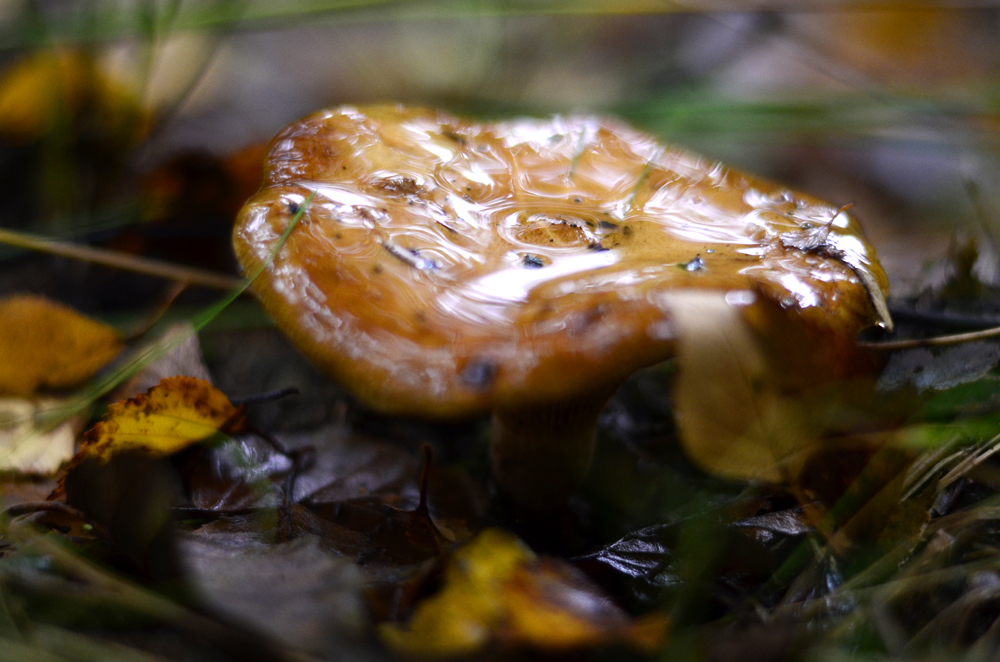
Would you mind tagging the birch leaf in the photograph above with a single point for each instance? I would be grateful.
(174, 414)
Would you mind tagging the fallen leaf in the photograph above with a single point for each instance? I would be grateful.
(938, 371)
(497, 591)
(46, 345)
(734, 419)
(174, 414)
(29, 444)
(757, 392)
(361, 497)
(46, 88)
(304, 596)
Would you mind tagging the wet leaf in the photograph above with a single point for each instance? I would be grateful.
(757, 391)
(300, 594)
(239, 473)
(926, 370)
(169, 417)
(733, 416)
(360, 496)
(496, 591)
(29, 444)
(640, 553)
(46, 345)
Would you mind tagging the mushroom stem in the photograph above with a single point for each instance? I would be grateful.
(541, 452)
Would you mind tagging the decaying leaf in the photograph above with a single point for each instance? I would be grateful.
(30, 445)
(169, 417)
(46, 345)
(497, 591)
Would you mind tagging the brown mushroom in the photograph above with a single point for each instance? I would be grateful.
(447, 268)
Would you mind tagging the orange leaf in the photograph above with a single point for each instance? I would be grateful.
(44, 344)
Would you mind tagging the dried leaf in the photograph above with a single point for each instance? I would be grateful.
(46, 345)
(497, 591)
(169, 417)
(30, 445)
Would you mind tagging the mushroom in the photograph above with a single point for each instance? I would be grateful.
(447, 268)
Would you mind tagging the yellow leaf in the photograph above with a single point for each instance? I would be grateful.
(29, 445)
(756, 392)
(733, 421)
(497, 591)
(46, 345)
(47, 89)
(174, 414)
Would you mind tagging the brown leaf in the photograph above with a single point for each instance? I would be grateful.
(46, 345)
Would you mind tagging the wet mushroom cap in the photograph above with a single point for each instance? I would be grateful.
(446, 267)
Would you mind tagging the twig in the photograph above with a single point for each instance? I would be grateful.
(938, 341)
(270, 396)
(118, 260)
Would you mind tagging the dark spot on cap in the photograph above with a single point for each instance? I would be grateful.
(533, 261)
(697, 264)
(479, 374)
(577, 199)
(293, 208)
(597, 248)
(627, 230)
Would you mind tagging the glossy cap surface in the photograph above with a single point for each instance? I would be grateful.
(444, 266)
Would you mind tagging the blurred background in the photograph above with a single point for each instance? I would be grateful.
(139, 124)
